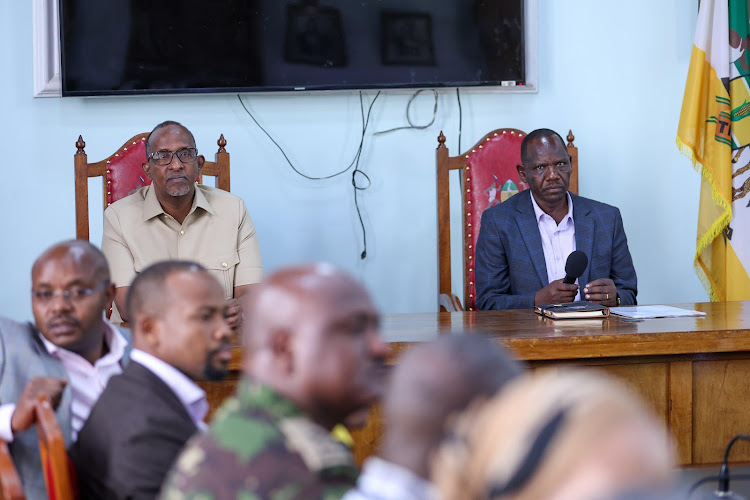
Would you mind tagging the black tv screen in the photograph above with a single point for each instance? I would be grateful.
(113, 47)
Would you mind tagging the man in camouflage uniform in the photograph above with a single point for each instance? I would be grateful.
(314, 356)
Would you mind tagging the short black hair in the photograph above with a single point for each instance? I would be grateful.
(149, 284)
(162, 125)
(538, 134)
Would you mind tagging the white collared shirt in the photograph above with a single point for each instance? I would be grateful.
(87, 381)
(384, 480)
(190, 395)
(558, 241)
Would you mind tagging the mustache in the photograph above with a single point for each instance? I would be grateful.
(64, 319)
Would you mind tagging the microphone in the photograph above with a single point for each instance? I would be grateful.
(574, 266)
(723, 491)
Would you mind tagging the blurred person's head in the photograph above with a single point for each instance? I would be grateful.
(431, 382)
(312, 334)
(177, 314)
(555, 435)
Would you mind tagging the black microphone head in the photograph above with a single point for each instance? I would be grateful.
(576, 264)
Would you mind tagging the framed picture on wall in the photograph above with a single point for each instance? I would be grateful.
(315, 36)
(407, 39)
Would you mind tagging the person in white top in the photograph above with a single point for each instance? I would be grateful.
(68, 355)
(432, 382)
(145, 416)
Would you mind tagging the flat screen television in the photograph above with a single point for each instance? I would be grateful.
(116, 47)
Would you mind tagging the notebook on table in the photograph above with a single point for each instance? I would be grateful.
(572, 310)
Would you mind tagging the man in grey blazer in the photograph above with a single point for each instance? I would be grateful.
(524, 242)
(68, 354)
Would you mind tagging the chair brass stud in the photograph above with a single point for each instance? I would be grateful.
(469, 202)
(471, 270)
(473, 150)
(469, 247)
(108, 171)
(109, 161)
(512, 133)
(495, 134)
(471, 282)
(468, 215)
(469, 224)
(471, 309)
(504, 132)
(109, 182)
(471, 296)
(489, 138)
(469, 236)
(134, 143)
(469, 257)
(117, 154)
(468, 168)
(468, 190)
(108, 192)
(124, 149)
(480, 147)
(467, 179)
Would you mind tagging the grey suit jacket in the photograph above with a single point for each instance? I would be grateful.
(23, 356)
(510, 265)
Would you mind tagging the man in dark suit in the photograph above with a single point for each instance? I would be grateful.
(146, 415)
(524, 242)
(68, 354)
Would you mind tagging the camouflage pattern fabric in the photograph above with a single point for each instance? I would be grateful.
(261, 446)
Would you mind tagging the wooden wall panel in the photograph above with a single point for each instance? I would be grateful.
(721, 409)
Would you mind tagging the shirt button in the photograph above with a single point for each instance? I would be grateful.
(182, 231)
(224, 264)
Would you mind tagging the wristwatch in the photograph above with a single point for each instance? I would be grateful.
(618, 299)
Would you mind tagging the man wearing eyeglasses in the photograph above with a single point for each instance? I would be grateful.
(69, 355)
(174, 218)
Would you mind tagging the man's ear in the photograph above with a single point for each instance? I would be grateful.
(521, 173)
(146, 167)
(147, 327)
(281, 350)
(109, 294)
(199, 161)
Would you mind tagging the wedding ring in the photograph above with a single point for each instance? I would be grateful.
(606, 296)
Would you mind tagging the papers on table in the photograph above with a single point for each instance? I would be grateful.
(648, 312)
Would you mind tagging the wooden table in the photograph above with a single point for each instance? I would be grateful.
(694, 372)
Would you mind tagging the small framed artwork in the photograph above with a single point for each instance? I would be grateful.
(407, 39)
(315, 36)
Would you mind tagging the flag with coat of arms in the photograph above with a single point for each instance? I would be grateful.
(714, 132)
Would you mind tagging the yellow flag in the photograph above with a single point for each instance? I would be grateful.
(714, 134)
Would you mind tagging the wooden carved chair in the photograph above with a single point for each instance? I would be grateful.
(10, 483)
(122, 174)
(488, 177)
(59, 473)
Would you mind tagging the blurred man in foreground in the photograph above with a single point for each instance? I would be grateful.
(555, 435)
(314, 356)
(68, 355)
(431, 383)
(144, 416)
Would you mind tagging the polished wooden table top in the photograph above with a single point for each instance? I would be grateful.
(725, 328)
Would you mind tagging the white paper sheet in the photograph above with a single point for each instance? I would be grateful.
(648, 312)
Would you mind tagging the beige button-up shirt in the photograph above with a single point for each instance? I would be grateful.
(217, 233)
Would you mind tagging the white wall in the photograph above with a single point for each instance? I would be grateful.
(614, 72)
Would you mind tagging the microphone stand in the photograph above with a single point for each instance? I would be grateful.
(723, 477)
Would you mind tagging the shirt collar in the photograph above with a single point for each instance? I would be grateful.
(152, 208)
(112, 337)
(539, 213)
(382, 479)
(253, 394)
(187, 391)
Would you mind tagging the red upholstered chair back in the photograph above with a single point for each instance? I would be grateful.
(122, 175)
(488, 177)
(10, 483)
(59, 473)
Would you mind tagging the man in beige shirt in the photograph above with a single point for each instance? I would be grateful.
(174, 218)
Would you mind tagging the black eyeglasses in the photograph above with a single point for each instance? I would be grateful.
(74, 293)
(164, 156)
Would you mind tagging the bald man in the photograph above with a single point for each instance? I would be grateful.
(144, 416)
(431, 382)
(314, 356)
(68, 355)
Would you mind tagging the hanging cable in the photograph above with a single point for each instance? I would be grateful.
(354, 163)
(460, 119)
(408, 118)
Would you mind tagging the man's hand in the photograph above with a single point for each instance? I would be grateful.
(233, 313)
(555, 293)
(601, 291)
(23, 416)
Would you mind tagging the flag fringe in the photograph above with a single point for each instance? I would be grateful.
(718, 226)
